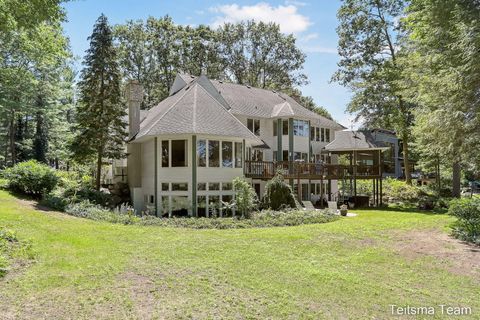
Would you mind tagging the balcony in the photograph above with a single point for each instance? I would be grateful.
(313, 171)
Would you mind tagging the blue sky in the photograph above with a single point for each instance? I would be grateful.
(313, 22)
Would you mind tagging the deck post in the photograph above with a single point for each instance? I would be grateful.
(381, 191)
(373, 191)
(381, 176)
(329, 189)
(194, 176)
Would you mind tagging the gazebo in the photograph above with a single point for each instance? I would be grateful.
(359, 157)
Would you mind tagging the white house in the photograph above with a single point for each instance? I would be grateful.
(184, 153)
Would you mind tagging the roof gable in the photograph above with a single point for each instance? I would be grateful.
(194, 110)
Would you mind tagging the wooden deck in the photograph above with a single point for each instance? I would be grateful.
(313, 171)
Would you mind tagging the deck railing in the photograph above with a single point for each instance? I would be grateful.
(296, 169)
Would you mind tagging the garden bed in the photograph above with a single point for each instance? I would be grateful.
(260, 219)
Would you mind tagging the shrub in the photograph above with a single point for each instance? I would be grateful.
(86, 209)
(31, 178)
(396, 191)
(55, 200)
(467, 226)
(278, 194)
(75, 187)
(92, 195)
(3, 183)
(260, 219)
(245, 196)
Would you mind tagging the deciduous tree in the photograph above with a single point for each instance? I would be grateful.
(368, 46)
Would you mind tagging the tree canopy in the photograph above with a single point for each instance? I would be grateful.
(442, 76)
(258, 54)
(369, 41)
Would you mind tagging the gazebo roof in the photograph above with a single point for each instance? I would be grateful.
(354, 141)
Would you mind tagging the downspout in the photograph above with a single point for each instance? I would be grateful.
(194, 176)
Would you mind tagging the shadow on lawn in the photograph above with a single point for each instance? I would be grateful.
(409, 209)
(32, 201)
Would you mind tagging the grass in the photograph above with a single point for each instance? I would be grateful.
(344, 269)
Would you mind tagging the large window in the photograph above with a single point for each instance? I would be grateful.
(275, 127)
(213, 153)
(285, 127)
(227, 154)
(214, 186)
(317, 134)
(254, 126)
(179, 186)
(327, 135)
(300, 128)
(201, 153)
(323, 135)
(300, 156)
(179, 206)
(179, 153)
(165, 153)
(238, 154)
(312, 133)
(202, 206)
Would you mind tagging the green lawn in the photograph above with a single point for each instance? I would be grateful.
(351, 268)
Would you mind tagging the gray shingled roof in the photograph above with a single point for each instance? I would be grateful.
(262, 103)
(193, 110)
(354, 140)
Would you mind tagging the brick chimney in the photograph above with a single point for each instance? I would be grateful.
(134, 95)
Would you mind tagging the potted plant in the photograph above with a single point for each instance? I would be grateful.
(343, 210)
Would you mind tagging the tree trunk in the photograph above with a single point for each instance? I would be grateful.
(456, 177)
(12, 139)
(437, 174)
(406, 162)
(99, 169)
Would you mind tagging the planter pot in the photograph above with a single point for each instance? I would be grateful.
(343, 212)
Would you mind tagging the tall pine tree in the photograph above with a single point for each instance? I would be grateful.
(100, 114)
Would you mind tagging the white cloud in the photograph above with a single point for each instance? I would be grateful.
(286, 16)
